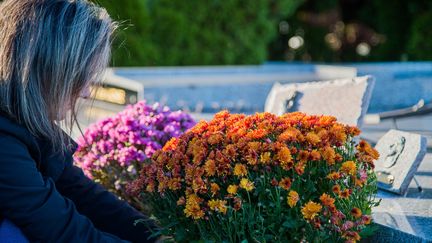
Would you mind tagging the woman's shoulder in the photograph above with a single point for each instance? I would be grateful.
(12, 130)
(17, 143)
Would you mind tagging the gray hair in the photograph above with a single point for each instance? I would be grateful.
(50, 50)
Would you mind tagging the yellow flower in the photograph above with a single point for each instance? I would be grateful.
(214, 188)
(240, 170)
(232, 189)
(174, 184)
(246, 184)
(210, 167)
(193, 208)
(293, 198)
(265, 157)
(218, 205)
(285, 183)
(349, 167)
(193, 211)
(285, 158)
(193, 199)
(150, 187)
(310, 210)
(312, 138)
(254, 146)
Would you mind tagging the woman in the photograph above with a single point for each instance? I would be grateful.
(51, 51)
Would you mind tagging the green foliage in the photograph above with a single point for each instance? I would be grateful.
(195, 32)
(420, 42)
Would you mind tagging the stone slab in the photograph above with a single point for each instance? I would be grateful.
(346, 99)
(407, 218)
(400, 155)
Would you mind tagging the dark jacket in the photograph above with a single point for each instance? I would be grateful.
(51, 200)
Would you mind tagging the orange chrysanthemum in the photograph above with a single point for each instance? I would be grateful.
(214, 188)
(349, 167)
(284, 157)
(356, 212)
(300, 167)
(210, 167)
(257, 134)
(313, 138)
(174, 184)
(240, 170)
(215, 139)
(310, 210)
(193, 208)
(345, 194)
(171, 144)
(217, 164)
(351, 236)
(334, 176)
(338, 133)
(366, 219)
(328, 155)
(366, 148)
(314, 155)
(293, 198)
(327, 200)
(285, 183)
(336, 189)
(303, 156)
(254, 146)
(290, 134)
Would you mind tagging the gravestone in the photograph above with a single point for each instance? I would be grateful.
(346, 99)
(400, 156)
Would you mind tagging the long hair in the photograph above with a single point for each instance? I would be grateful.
(50, 50)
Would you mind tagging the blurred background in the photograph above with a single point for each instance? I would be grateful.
(225, 32)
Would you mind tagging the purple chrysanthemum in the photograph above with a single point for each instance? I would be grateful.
(112, 150)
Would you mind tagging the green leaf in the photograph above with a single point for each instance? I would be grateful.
(289, 224)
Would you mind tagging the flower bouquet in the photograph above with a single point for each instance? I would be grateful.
(262, 178)
(113, 150)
